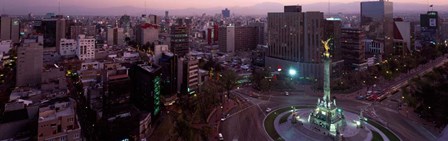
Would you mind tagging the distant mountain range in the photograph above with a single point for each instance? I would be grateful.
(258, 9)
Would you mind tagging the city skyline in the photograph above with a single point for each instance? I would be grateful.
(195, 7)
(178, 4)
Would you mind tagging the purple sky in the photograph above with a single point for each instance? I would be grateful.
(181, 4)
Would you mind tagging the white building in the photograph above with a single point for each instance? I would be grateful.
(68, 47)
(85, 47)
(374, 47)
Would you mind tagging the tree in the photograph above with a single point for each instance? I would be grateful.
(228, 80)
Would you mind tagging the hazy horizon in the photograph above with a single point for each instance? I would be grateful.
(193, 7)
(179, 4)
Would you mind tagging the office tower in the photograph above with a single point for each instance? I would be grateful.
(188, 76)
(262, 30)
(429, 24)
(68, 47)
(147, 33)
(29, 64)
(332, 30)
(115, 36)
(352, 48)
(226, 13)
(49, 31)
(180, 44)
(294, 40)
(402, 37)
(233, 39)
(85, 47)
(125, 23)
(168, 62)
(377, 23)
(167, 15)
(212, 34)
(58, 121)
(146, 84)
(9, 28)
(5, 27)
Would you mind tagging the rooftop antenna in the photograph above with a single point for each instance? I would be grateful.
(146, 10)
(59, 7)
(328, 8)
(3, 7)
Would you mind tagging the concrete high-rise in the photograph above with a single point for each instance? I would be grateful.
(226, 13)
(294, 41)
(377, 22)
(54, 29)
(352, 48)
(233, 39)
(147, 33)
(85, 47)
(9, 28)
(5, 27)
(115, 36)
(180, 44)
(29, 64)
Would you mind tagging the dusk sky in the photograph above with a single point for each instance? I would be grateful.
(178, 4)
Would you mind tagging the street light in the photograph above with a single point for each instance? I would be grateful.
(292, 72)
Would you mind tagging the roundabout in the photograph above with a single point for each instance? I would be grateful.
(292, 123)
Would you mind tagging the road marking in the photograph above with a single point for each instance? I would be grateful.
(241, 110)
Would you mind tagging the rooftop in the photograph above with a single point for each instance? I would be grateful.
(55, 108)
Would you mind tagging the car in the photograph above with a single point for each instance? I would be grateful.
(361, 97)
(221, 138)
(223, 119)
(268, 110)
(286, 93)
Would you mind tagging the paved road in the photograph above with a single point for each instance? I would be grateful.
(246, 124)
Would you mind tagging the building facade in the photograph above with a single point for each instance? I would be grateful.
(180, 44)
(225, 13)
(85, 48)
(294, 41)
(29, 64)
(58, 121)
(352, 48)
(233, 39)
(68, 47)
(146, 84)
(377, 23)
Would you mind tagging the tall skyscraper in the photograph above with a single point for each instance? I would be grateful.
(352, 48)
(377, 23)
(146, 84)
(29, 64)
(54, 29)
(9, 28)
(5, 27)
(226, 13)
(294, 40)
(429, 24)
(180, 44)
